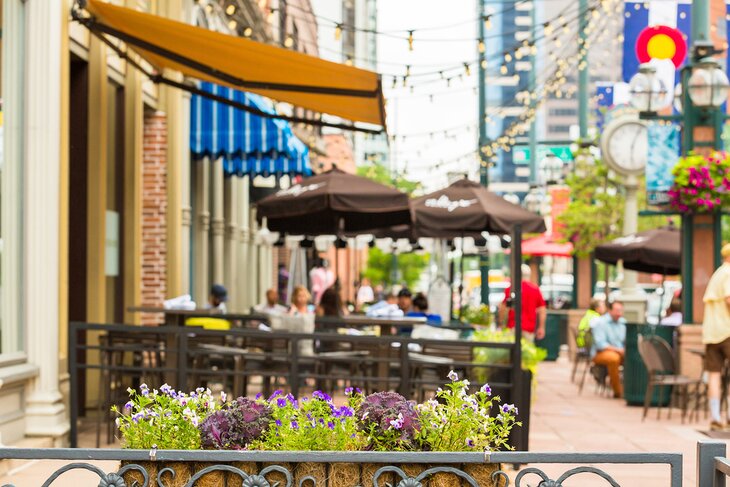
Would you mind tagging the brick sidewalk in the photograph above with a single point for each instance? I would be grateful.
(562, 421)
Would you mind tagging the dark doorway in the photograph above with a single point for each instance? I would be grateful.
(77, 225)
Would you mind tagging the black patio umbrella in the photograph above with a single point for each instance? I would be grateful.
(467, 207)
(334, 203)
(657, 251)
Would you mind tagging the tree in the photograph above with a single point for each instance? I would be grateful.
(595, 212)
(378, 173)
(380, 267)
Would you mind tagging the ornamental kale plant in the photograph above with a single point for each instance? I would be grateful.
(458, 421)
(236, 425)
(164, 419)
(388, 421)
(311, 424)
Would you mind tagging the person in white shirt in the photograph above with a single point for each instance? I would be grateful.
(271, 306)
(674, 314)
(365, 293)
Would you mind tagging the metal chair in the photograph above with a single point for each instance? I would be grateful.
(661, 366)
(583, 356)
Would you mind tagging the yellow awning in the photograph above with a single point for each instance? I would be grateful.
(288, 76)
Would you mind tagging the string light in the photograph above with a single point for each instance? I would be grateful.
(484, 64)
(467, 69)
(507, 57)
(410, 40)
(408, 70)
(230, 9)
(247, 32)
(232, 24)
(348, 61)
(482, 47)
(488, 22)
(289, 41)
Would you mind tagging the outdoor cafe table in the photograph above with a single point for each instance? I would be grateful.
(177, 317)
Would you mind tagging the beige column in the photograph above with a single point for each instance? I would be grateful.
(202, 227)
(132, 232)
(45, 412)
(177, 147)
(186, 218)
(253, 259)
(230, 202)
(217, 221)
(13, 80)
(97, 185)
(63, 203)
(243, 270)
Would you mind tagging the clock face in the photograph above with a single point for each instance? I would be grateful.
(627, 147)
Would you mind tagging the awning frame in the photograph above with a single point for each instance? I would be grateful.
(99, 30)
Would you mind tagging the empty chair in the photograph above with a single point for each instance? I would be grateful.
(660, 365)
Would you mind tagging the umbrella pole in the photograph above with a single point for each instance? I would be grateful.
(461, 281)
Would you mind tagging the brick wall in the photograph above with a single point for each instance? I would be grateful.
(154, 207)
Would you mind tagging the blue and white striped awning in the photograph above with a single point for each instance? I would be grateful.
(249, 144)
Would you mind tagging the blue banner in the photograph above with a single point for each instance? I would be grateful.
(663, 143)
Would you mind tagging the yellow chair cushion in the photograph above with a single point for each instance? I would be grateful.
(209, 323)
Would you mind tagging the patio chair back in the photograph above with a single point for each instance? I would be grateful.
(657, 355)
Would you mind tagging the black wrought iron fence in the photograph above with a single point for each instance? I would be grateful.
(107, 359)
(351, 469)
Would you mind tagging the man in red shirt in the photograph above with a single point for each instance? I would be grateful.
(533, 308)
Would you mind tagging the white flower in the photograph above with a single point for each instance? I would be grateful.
(453, 376)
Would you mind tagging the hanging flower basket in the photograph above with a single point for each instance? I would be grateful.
(701, 183)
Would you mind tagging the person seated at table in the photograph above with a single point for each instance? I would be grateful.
(300, 298)
(271, 306)
(405, 300)
(420, 310)
(609, 341)
(330, 304)
(217, 298)
(596, 310)
(387, 308)
(674, 314)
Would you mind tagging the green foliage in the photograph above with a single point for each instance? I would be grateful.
(164, 419)
(531, 354)
(595, 212)
(458, 421)
(477, 315)
(380, 174)
(701, 183)
(380, 267)
(310, 424)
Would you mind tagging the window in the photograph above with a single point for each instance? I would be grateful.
(558, 129)
(12, 45)
(563, 112)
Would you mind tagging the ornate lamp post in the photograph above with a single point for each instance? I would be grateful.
(698, 98)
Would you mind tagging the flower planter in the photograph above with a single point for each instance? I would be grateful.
(319, 474)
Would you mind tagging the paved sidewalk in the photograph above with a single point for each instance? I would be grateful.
(562, 421)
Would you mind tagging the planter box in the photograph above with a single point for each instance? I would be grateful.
(319, 473)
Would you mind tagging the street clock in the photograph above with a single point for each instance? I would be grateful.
(625, 146)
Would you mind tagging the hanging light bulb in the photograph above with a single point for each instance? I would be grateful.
(410, 40)
(507, 57)
(230, 9)
(503, 69)
(348, 61)
(338, 32)
(518, 54)
(405, 81)
(247, 32)
(232, 24)
(488, 22)
(484, 64)
(467, 69)
(289, 41)
(548, 28)
(482, 47)
(408, 70)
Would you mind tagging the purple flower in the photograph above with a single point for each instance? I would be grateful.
(470, 443)
(278, 422)
(331, 425)
(453, 376)
(294, 425)
(321, 396)
(348, 391)
(506, 408)
(281, 402)
(276, 393)
(129, 405)
(486, 389)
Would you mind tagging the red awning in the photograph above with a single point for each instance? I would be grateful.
(544, 246)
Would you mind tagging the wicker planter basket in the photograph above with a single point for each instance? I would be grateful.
(310, 474)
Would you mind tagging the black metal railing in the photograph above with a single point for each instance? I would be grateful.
(120, 356)
(260, 468)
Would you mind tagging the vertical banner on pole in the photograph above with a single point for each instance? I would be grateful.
(663, 142)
